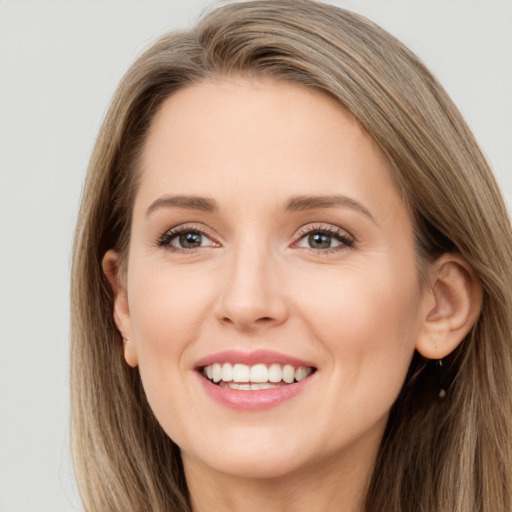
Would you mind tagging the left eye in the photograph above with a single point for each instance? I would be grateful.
(323, 240)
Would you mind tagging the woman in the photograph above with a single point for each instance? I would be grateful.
(291, 281)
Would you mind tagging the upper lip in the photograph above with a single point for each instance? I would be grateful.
(252, 358)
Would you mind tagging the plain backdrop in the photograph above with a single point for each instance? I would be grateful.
(60, 62)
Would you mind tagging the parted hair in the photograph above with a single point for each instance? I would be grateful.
(451, 454)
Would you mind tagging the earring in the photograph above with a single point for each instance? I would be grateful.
(440, 379)
(440, 374)
(126, 340)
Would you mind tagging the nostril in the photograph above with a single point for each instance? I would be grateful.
(244, 323)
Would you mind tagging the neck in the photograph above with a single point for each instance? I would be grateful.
(338, 484)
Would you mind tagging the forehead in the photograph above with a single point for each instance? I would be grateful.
(262, 136)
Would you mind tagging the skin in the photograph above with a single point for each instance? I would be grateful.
(357, 311)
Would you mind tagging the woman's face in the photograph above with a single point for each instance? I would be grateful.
(268, 243)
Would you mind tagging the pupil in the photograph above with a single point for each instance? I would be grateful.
(319, 241)
(189, 240)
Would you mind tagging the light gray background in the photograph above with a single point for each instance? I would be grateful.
(60, 62)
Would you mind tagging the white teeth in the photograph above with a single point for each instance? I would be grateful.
(241, 373)
(301, 373)
(288, 373)
(217, 372)
(246, 387)
(263, 385)
(259, 373)
(275, 374)
(258, 376)
(227, 372)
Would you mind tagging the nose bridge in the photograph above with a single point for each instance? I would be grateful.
(251, 296)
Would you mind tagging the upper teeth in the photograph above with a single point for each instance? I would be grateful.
(258, 373)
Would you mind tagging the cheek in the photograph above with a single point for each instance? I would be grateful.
(367, 327)
(167, 308)
(367, 320)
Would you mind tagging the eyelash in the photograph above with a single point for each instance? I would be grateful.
(167, 238)
(346, 240)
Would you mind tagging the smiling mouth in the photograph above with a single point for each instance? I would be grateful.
(256, 377)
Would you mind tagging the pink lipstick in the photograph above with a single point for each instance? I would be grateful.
(253, 380)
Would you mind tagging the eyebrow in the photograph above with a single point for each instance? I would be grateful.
(311, 202)
(298, 203)
(188, 202)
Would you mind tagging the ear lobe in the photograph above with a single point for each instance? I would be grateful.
(455, 301)
(121, 312)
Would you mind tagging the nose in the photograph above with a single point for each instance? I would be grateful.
(253, 294)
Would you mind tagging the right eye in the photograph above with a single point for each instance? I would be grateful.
(185, 239)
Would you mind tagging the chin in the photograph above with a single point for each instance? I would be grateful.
(252, 456)
(257, 466)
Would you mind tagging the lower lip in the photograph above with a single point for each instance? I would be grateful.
(252, 400)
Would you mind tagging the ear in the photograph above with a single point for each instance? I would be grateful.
(454, 302)
(117, 279)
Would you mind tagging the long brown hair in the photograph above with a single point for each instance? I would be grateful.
(438, 454)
